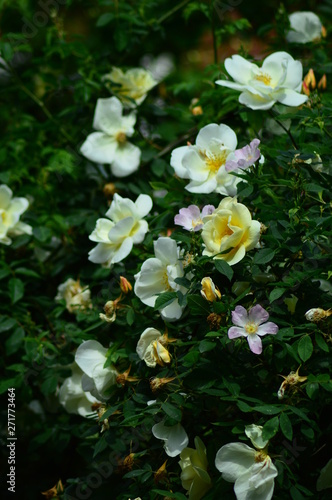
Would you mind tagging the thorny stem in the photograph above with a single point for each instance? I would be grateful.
(288, 132)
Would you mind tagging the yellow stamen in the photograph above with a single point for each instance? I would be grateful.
(251, 328)
(260, 456)
(121, 137)
(215, 161)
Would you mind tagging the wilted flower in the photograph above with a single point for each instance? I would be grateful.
(209, 290)
(243, 158)
(72, 396)
(161, 473)
(191, 218)
(124, 377)
(305, 27)
(324, 480)
(204, 162)
(175, 437)
(91, 358)
(194, 476)
(251, 470)
(230, 231)
(252, 325)
(150, 348)
(11, 210)
(54, 492)
(157, 383)
(124, 228)
(290, 381)
(130, 86)
(109, 144)
(317, 314)
(158, 275)
(278, 80)
(110, 311)
(77, 297)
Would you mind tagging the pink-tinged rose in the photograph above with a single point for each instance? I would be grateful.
(252, 325)
(244, 158)
(191, 218)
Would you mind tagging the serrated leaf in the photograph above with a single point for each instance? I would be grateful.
(267, 409)
(270, 428)
(224, 268)
(7, 324)
(312, 389)
(305, 348)
(206, 345)
(172, 411)
(244, 407)
(321, 342)
(276, 294)
(286, 426)
(198, 305)
(264, 256)
(164, 300)
(104, 19)
(15, 341)
(16, 289)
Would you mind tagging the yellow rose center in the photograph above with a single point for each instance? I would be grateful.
(121, 137)
(260, 456)
(4, 216)
(215, 161)
(263, 77)
(166, 282)
(251, 328)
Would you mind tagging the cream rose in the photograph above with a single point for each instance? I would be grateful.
(230, 232)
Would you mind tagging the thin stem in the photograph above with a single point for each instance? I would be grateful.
(45, 110)
(175, 143)
(172, 11)
(288, 132)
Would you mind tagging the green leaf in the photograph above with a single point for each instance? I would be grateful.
(244, 407)
(206, 345)
(27, 272)
(305, 348)
(267, 409)
(7, 324)
(321, 342)
(270, 428)
(164, 300)
(264, 256)
(130, 316)
(276, 294)
(42, 233)
(16, 289)
(15, 341)
(172, 411)
(224, 268)
(286, 426)
(104, 19)
(312, 389)
(198, 305)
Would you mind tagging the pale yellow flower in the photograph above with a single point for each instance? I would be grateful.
(131, 86)
(230, 232)
(194, 474)
(76, 297)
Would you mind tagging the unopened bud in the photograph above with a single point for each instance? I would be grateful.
(322, 83)
(125, 285)
(323, 32)
(310, 79)
(305, 89)
(109, 189)
(209, 290)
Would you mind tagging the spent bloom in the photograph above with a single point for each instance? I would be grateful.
(209, 290)
(252, 470)
(204, 162)
(305, 27)
(91, 358)
(317, 314)
(191, 218)
(77, 297)
(244, 158)
(11, 210)
(290, 382)
(230, 230)
(278, 80)
(175, 437)
(194, 476)
(72, 397)
(253, 325)
(109, 144)
(158, 275)
(131, 86)
(151, 348)
(123, 228)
